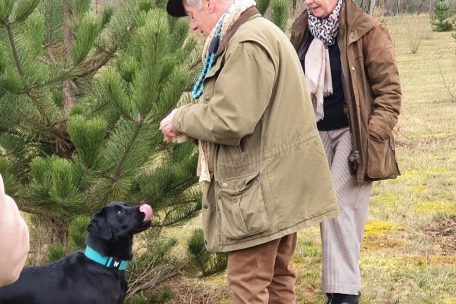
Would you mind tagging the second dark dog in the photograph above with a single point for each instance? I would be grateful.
(94, 276)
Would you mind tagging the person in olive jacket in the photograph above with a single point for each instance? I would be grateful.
(349, 62)
(14, 239)
(262, 164)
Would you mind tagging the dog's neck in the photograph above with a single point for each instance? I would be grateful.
(120, 248)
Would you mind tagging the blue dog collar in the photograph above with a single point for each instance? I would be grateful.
(108, 262)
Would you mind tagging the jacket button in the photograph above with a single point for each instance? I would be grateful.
(235, 200)
(205, 206)
(206, 97)
(353, 68)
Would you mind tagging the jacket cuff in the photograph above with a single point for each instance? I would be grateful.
(177, 118)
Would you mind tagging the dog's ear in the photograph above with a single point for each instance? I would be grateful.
(99, 226)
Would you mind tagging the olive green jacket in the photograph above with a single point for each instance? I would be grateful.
(270, 175)
(371, 87)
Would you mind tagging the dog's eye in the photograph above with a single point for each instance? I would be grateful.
(120, 211)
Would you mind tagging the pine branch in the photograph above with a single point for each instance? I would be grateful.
(135, 134)
(30, 93)
(95, 63)
(164, 273)
(86, 68)
(19, 67)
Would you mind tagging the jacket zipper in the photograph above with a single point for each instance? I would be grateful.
(355, 157)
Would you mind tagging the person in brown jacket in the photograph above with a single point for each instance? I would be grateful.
(349, 62)
(14, 239)
(262, 165)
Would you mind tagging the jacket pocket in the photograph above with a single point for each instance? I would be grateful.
(242, 208)
(381, 158)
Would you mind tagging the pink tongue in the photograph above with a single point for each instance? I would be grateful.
(147, 210)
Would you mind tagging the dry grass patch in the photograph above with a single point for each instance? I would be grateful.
(443, 236)
(448, 208)
(210, 290)
(377, 228)
(405, 280)
(380, 235)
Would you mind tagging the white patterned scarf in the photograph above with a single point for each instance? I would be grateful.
(317, 64)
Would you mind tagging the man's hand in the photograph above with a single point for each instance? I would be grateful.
(166, 127)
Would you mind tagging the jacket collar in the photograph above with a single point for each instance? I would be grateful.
(245, 16)
(355, 21)
(108, 262)
(298, 28)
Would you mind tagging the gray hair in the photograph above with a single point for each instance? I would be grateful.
(199, 3)
(194, 3)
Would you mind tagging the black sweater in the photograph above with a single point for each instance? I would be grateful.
(333, 104)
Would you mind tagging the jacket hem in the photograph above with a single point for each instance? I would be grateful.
(281, 233)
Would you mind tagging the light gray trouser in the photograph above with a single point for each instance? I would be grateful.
(341, 237)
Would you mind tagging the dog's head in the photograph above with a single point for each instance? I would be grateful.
(117, 220)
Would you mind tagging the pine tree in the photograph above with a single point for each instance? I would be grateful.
(81, 98)
(276, 10)
(206, 262)
(440, 18)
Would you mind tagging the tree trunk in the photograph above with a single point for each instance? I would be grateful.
(294, 6)
(365, 5)
(68, 88)
(373, 3)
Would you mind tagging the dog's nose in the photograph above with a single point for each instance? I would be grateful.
(147, 210)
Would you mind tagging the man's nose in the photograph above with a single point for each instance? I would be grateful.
(193, 26)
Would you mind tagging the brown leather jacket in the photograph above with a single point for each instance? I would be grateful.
(371, 87)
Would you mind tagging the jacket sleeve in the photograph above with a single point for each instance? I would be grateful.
(242, 92)
(384, 81)
(14, 237)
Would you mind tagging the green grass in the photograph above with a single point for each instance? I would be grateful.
(401, 262)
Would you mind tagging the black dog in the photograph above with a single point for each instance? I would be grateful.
(94, 276)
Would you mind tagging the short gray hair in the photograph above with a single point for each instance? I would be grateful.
(194, 3)
(199, 3)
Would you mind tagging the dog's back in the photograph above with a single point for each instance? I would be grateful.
(78, 280)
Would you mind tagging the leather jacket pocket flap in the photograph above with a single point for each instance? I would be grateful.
(381, 158)
(242, 208)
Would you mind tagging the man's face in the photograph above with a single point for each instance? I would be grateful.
(321, 8)
(200, 19)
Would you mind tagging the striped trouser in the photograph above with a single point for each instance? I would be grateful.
(341, 237)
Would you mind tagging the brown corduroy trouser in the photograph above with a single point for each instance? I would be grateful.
(262, 274)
